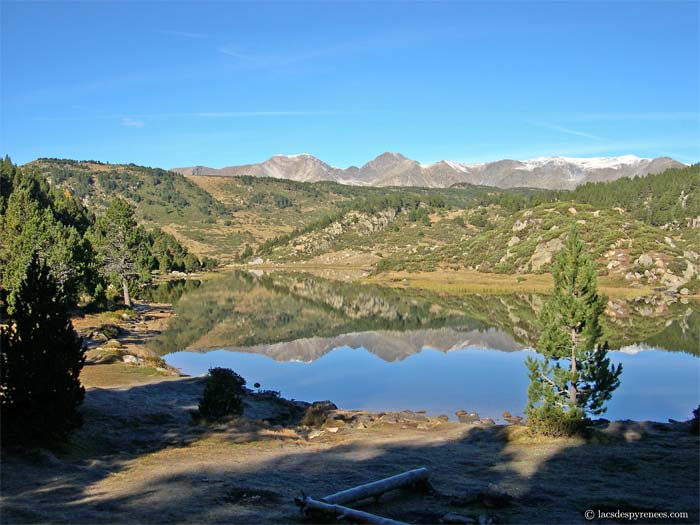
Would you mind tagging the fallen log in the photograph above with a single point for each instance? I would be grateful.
(375, 489)
(344, 513)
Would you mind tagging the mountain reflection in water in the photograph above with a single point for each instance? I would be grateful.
(375, 348)
(311, 316)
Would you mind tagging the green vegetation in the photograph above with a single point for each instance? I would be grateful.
(37, 219)
(84, 254)
(526, 241)
(222, 394)
(41, 358)
(670, 197)
(571, 335)
(161, 199)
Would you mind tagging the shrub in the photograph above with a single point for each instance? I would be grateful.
(695, 422)
(222, 394)
(41, 358)
(555, 422)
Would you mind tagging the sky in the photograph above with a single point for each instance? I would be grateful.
(201, 83)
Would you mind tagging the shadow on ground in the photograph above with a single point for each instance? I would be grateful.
(140, 459)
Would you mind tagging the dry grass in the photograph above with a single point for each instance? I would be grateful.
(470, 281)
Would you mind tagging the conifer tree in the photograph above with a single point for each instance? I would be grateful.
(575, 376)
(41, 357)
(117, 239)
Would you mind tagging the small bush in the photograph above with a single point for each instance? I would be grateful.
(695, 422)
(555, 422)
(222, 394)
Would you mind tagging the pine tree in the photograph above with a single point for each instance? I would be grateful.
(575, 376)
(41, 357)
(117, 239)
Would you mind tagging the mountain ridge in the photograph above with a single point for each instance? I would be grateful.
(395, 169)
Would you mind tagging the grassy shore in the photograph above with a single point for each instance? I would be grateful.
(454, 281)
(469, 281)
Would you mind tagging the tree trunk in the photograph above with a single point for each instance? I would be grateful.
(413, 477)
(573, 390)
(125, 287)
(344, 513)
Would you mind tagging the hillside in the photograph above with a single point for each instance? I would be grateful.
(220, 216)
(641, 230)
(394, 169)
(526, 242)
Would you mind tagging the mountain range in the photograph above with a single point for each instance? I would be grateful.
(394, 169)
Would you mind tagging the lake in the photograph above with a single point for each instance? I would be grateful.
(375, 348)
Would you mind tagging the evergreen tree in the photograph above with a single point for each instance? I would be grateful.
(41, 357)
(28, 225)
(117, 240)
(575, 376)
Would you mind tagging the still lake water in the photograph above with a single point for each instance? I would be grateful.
(365, 347)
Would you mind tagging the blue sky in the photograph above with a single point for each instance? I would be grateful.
(183, 83)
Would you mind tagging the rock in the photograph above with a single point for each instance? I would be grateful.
(633, 435)
(471, 417)
(443, 418)
(544, 252)
(389, 418)
(672, 282)
(513, 241)
(519, 226)
(257, 260)
(644, 260)
(689, 271)
(131, 359)
(456, 518)
(317, 413)
(332, 430)
(572, 211)
(580, 221)
(422, 426)
(670, 242)
(112, 343)
(685, 291)
(596, 213)
(613, 264)
(361, 426)
(487, 421)
(316, 433)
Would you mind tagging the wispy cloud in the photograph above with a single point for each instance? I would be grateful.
(648, 115)
(568, 131)
(287, 57)
(131, 122)
(139, 119)
(185, 34)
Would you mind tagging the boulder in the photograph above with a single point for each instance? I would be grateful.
(645, 260)
(544, 253)
(131, 359)
(519, 225)
(672, 282)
